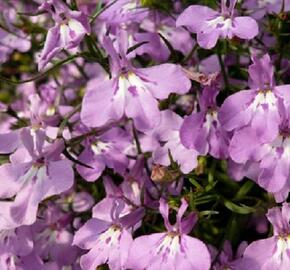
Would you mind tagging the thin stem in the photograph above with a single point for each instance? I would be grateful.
(189, 56)
(223, 69)
(135, 135)
(66, 119)
(98, 13)
(42, 75)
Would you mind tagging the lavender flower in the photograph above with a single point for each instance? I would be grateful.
(202, 131)
(258, 107)
(209, 24)
(271, 253)
(167, 133)
(33, 175)
(259, 119)
(109, 242)
(105, 150)
(173, 249)
(69, 30)
(132, 92)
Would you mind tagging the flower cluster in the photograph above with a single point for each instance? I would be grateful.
(144, 135)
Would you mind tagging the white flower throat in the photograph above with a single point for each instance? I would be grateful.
(283, 247)
(111, 236)
(170, 244)
(264, 98)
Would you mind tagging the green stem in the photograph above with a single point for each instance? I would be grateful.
(135, 135)
(99, 12)
(223, 69)
(189, 56)
(44, 74)
(66, 119)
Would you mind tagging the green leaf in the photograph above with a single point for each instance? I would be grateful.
(246, 187)
(136, 46)
(195, 183)
(240, 209)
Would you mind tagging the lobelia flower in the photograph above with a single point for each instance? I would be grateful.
(16, 244)
(52, 236)
(177, 36)
(108, 241)
(17, 241)
(11, 37)
(202, 131)
(9, 141)
(152, 44)
(226, 258)
(167, 132)
(260, 8)
(12, 41)
(259, 119)
(129, 191)
(156, 24)
(133, 92)
(104, 150)
(210, 25)
(170, 250)
(123, 12)
(10, 261)
(82, 201)
(70, 28)
(40, 114)
(35, 173)
(268, 164)
(272, 253)
(259, 107)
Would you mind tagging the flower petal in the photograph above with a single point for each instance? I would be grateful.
(245, 27)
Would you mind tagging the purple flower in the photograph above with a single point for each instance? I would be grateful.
(226, 258)
(9, 261)
(209, 24)
(178, 37)
(33, 175)
(9, 142)
(82, 201)
(268, 163)
(173, 249)
(12, 41)
(260, 8)
(16, 241)
(259, 119)
(132, 92)
(105, 150)
(258, 107)
(153, 45)
(69, 30)
(129, 192)
(108, 241)
(272, 253)
(11, 37)
(167, 132)
(53, 237)
(123, 12)
(202, 131)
